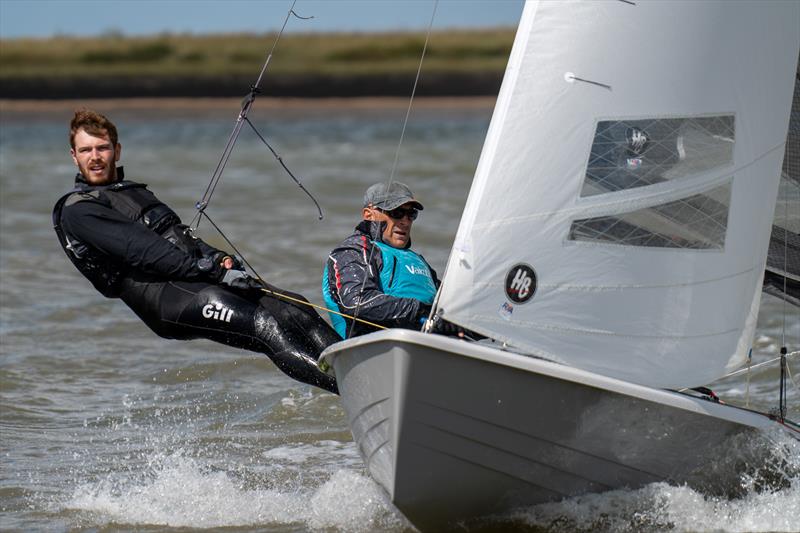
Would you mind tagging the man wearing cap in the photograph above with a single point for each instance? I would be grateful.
(374, 274)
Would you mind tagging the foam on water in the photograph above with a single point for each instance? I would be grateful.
(333, 451)
(179, 491)
(184, 493)
(664, 507)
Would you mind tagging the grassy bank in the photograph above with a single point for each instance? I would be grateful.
(74, 64)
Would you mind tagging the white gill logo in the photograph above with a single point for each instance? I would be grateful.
(417, 270)
(217, 312)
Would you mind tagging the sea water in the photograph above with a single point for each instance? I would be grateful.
(104, 426)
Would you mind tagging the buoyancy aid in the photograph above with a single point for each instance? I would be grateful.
(133, 201)
(406, 274)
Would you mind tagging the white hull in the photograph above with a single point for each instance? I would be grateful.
(454, 430)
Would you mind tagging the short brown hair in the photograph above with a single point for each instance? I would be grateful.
(92, 123)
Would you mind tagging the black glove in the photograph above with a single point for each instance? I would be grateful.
(236, 279)
(443, 327)
(212, 269)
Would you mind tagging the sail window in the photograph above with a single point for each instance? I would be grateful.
(627, 154)
(696, 222)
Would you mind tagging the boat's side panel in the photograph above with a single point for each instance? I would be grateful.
(474, 437)
(370, 404)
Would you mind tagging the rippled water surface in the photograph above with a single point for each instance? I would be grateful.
(103, 425)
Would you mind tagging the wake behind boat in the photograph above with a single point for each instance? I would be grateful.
(613, 246)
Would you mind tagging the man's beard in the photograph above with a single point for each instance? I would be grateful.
(110, 173)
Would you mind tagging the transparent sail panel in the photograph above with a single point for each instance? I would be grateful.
(634, 153)
(782, 275)
(696, 222)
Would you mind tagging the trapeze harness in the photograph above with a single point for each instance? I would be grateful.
(133, 201)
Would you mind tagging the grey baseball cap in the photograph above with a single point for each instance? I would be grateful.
(388, 197)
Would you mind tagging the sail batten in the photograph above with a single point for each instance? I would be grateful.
(654, 195)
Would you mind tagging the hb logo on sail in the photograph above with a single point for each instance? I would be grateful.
(520, 283)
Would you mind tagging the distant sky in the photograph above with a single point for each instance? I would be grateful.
(44, 18)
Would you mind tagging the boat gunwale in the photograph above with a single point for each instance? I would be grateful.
(552, 369)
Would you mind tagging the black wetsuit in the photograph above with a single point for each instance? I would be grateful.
(133, 247)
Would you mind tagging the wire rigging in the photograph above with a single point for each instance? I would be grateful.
(280, 160)
(784, 364)
(202, 205)
(757, 365)
(413, 93)
(247, 104)
(280, 294)
(397, 151)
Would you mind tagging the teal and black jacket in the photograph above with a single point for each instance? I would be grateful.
(387, 286)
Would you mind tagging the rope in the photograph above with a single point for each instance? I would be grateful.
(315, 306)
(397, 151)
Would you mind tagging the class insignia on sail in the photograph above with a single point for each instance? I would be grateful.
(637, 142)
(520, 283)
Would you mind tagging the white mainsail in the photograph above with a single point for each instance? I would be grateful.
(620, 213)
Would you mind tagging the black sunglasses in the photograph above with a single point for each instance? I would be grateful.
(399, 212)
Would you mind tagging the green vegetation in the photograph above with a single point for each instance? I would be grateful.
(477, 52)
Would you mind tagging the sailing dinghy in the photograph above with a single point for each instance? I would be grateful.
(613, 248)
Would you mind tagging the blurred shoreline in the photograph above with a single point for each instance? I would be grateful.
(456, 63)
(311, 85)
(14, 109)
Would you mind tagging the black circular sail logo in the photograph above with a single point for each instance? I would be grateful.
(520, 283)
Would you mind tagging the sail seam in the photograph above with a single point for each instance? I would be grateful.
(597, 332)
(627, 201)
(622, 202)
(589, 288)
